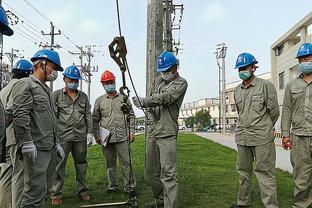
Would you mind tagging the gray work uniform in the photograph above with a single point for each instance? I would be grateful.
(6, 168)
(297, 123)
(107, 114)
(160, 158)
(74, 122)
(34, 121)
(14, 167)
(257, 113)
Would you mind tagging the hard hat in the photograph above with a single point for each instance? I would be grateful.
(165, 61)
(245, 59)
(107, 76)
(48, 55)
(304, 50)
(23, 65)
(4, 24)
(72, 72)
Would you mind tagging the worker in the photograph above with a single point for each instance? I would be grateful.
(72, 110)
(35, 126)
(163, 105)
(107, 114)
(257, 107)
(12, 174)
(296, 127)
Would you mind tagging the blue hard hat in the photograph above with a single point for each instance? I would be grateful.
(165, 61)
(72, 72)
(304, 50)
(48, 55)
(4, 24)
(245, 59)
(23, 65)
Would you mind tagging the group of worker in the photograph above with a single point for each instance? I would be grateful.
(39, 128)
(258, 111)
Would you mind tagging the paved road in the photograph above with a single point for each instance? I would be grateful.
(282, 156)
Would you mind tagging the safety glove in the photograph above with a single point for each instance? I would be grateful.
(138, 101)
(89, 139)
(61, 154)
(29, 150)
(60, 151)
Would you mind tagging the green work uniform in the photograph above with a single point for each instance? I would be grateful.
(74, 122)
(12, 177)
(257, 113)
(163, 107)
(107, 114)
(297, 124)
(34, 121)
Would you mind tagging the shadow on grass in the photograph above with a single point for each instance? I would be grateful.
(206, 170)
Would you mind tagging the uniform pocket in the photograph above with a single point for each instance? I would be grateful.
(257, 101)
(81, 107)
(238, 103)
(296, 94)
(40, 103)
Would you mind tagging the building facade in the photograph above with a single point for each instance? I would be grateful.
(212, 105)
(284, 65)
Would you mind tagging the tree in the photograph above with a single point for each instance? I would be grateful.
(190, 121)
(203, 118)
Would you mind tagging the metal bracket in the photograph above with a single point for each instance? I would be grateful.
(118, 51)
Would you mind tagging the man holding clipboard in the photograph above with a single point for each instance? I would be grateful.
(109, 129)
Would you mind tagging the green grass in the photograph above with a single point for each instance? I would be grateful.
(207, 176)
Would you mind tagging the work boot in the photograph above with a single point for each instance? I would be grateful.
(85, 196)
(238, 206)
(112, 189)
(56, 201)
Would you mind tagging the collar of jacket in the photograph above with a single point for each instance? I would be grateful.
(253, 83)
(117, 94)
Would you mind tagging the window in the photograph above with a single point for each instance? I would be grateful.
(233, 108)
(279, 50)
(281, 79)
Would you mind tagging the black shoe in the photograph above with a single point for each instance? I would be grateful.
(238, 206)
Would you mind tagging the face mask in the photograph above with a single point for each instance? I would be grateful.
(52, 77)
(244, 75)
(305, 68)
(110, 88)
(72, 86)
(167, 75)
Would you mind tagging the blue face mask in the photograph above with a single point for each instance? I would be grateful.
(72, 86)
(244, 75)
(305, 67)
(110, 88)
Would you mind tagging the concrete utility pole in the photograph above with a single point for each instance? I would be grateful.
(154, 40)
(87, 71)
(52, 34)
(167, 25)
(81, 53)
(221, 53)
(12, 56)
(1, 55)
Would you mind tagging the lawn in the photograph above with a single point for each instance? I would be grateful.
(207, 176)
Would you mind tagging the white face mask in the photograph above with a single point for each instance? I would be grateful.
(167, 75)
(52, 77)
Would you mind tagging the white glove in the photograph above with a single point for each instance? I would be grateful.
(89, 139)
(60, 151)
(30, 150)
(61, 154)
(138, 101)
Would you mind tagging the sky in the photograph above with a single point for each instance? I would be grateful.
(243, 25)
